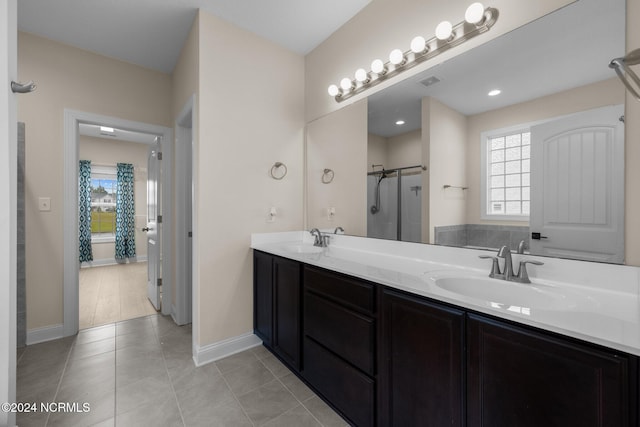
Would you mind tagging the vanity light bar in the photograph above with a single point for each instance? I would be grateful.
(478, 20)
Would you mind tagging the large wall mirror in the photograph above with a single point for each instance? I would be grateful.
(538, 166)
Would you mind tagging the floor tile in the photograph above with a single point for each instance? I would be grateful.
(36, 419)
(225, 415)
(202, 393)
(239, 360)
(261, 351)
(134, 370)
(296, 417)
(267, 402)
(144, 391)
(323, 413)
(96, 334)
(276, 367)
(163, 413)
(141, 372)
(101, 400)
(296, 387)
(248, 377)
(93, 348)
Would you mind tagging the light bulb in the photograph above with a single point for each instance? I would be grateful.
(361, 75)
(345, 83)
(333, 90)
(444, 30)
(396, 57)
(418, 44)
(377, 66)
(474, 13)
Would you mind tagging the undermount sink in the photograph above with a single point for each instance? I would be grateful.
(513, 296)
(303, 249)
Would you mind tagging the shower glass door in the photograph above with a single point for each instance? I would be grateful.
(394, 205)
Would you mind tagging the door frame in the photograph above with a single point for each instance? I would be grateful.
(72, 119)
(8, 186)
(184, 124)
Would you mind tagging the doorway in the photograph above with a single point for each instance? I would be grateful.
(73, 121)
(114, 278)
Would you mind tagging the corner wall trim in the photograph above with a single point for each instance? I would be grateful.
(221, 349)
(47, 333)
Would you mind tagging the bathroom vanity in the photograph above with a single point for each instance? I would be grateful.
(366, 325)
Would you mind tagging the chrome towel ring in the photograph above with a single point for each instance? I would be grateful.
(327, 176)
(278, 170)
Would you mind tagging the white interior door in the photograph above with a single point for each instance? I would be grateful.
(577, 186)
(153, 225)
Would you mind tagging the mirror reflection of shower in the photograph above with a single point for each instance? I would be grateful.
(376, 207)
(394, 197)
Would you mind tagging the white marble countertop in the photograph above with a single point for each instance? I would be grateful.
(594, 302)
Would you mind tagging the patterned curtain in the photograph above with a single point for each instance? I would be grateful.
(84, 210)
(125, 213)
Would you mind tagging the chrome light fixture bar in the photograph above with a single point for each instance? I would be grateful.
(619, 64)
(478, 20)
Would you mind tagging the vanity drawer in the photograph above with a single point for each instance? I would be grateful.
(347, 333)
(350, 391)
(351, 292)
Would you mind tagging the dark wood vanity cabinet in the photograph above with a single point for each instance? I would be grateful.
(381, 356)
(422, 362)
(339, 342)
(263, 296)
(277, 305)
(524, 377)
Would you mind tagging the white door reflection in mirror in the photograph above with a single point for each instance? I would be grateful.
(577, 173)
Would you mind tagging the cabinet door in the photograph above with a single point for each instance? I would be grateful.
(263, 296)
(286, 310)
(422, 363)
(519, 377)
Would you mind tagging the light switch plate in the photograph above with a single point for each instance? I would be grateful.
(44, 204)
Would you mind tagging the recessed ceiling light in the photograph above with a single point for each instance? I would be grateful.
(494, 92)
(400, 122)
(107, 129)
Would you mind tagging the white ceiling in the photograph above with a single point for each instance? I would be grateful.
(151, 33)
(565, 49)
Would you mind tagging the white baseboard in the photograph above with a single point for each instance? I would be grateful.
(47, 333)
(221, 349)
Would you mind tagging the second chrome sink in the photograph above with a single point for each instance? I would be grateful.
(502, 294)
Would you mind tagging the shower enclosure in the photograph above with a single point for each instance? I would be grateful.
(394, 204)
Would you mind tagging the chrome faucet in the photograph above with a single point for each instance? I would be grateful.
(521, 246)
(318, 241)
(505, 252)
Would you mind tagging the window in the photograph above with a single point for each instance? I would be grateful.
(506, 175)
(104, 185)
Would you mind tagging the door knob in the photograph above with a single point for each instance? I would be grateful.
(537, 236)
(146, 229)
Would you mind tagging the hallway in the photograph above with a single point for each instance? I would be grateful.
(113, 293)
(140, 372)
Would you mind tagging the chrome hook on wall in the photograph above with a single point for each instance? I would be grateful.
(623, 63)
(27, 87)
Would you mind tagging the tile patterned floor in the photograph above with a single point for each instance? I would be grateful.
(113, 293)
(140, 373)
